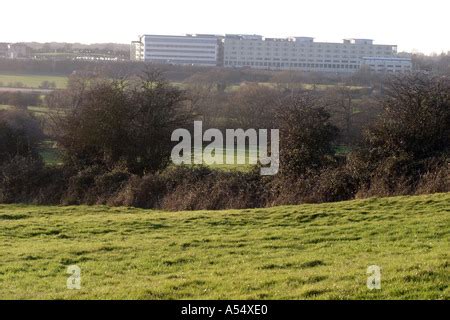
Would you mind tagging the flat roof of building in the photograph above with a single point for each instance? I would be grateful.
(260, 37)
(181, 36)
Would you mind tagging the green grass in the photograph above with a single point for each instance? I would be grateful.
(249, 154)
(49, 153)
(52, 156)
(293, 252)
(33, 81)
(33, 109)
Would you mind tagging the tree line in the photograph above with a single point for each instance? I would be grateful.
(337, 143)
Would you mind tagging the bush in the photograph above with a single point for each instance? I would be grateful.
(405, 148)
(436, 179)
(20, 135)
(112, 122)
(202, 189)
(94, 185)
(47, 85)
(335, 184)
(20, 99)
(143, 192)
(327, 185)
(415, 120)
(307, 135)
(184, 188)
(23, 180)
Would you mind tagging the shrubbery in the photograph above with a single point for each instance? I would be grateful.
(24, 180)
(116, 142)
(20, 99)
(410, 140)
(111, 122)
(20, 135)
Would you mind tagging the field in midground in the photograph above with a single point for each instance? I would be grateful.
(293, 252)
(32, 81)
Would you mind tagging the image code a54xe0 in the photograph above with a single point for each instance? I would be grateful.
(217, 160)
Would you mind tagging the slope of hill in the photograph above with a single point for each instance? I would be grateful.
(292, 252)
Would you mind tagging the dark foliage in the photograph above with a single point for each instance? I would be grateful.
(20, 135)
(112, 122)
(307, 134)
(410, 139)
(20, 99)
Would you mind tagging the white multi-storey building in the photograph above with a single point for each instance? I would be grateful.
(202, 50)
(387, 64)
(302, 53)
(255, 51)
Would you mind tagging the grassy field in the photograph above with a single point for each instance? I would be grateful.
(293, 252)
(32, 81)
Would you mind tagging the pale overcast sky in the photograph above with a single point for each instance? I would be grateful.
(414, 25)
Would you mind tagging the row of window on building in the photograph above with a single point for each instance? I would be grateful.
(289, 65)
